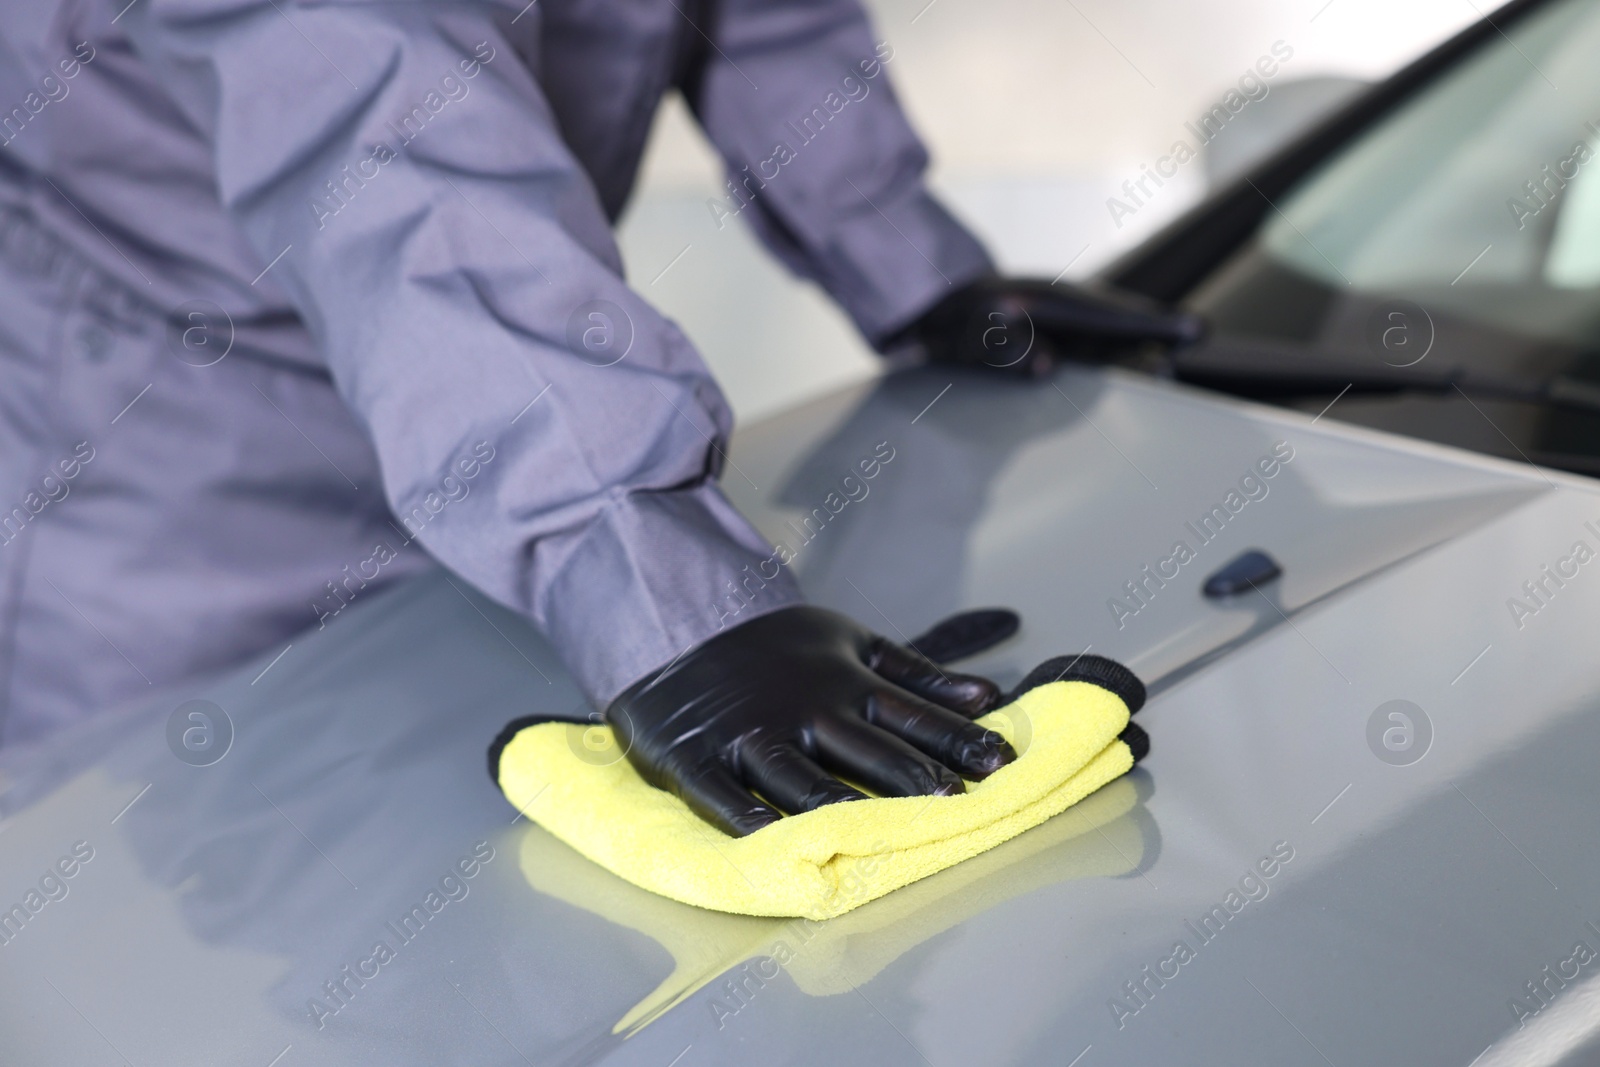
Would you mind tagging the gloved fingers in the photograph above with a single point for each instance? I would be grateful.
(882, 762)
(1108, 674)
(791, 780)
(1076, 311)
(966, 693)
(1137, 740)
(966, 633)
(960, 744)
(1005, 338)
(713, 793)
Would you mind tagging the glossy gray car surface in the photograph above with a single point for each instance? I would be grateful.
(1423, 870)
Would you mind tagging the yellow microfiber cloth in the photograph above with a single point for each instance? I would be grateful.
(828, 861)
(1103, 836)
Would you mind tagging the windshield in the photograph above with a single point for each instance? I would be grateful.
(1464, 225)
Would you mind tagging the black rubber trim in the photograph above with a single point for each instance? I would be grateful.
(1108, 674)
(515, 727)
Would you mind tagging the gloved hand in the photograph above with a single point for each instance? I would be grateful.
(781, 704)
(1024, 325)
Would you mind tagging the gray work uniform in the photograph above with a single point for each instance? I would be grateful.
(391, 222)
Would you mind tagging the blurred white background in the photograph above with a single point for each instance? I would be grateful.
(1035, 112)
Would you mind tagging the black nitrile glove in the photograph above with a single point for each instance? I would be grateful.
(1024, 325)
(781, 704)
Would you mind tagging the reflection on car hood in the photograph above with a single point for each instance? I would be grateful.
(1294, 875)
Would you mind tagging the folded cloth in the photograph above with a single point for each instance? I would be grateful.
(1107, 835)
(575, 782)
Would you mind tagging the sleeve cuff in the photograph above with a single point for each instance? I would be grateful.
(654, 575)
(895, 258)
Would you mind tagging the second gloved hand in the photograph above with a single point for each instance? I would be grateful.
(1024, 325)
(787, 704)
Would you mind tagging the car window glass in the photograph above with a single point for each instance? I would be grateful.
(1479, 198)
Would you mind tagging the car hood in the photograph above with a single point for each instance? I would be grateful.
(1294, 875)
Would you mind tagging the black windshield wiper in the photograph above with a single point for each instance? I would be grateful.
(1266, 371)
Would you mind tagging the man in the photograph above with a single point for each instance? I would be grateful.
(292, 293)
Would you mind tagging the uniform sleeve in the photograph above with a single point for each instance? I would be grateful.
(821, 161)
(400, 171)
